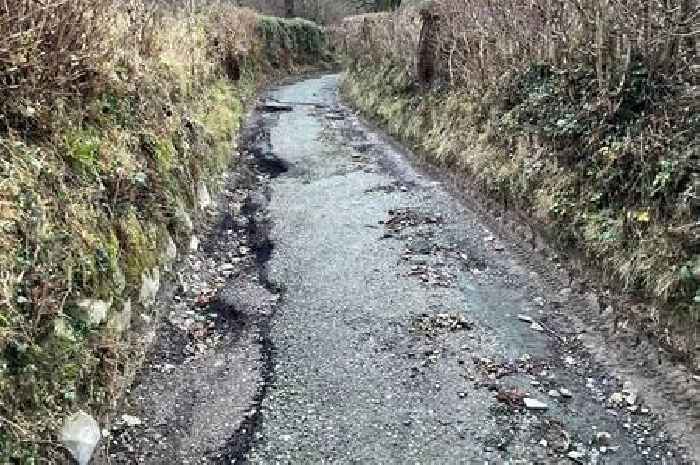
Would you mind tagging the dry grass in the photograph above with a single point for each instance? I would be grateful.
(579, 112)
(51, 52)
(111, 114)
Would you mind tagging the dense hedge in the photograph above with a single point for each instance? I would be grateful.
(609, 170)
(101, 182)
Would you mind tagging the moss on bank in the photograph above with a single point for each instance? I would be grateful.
(621, 191)
(90, 213)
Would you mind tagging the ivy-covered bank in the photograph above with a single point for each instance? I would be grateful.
(102, 186)
(534, 146)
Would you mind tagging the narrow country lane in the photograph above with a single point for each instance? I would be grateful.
(406, 331)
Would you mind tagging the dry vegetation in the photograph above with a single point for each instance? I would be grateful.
(112, 116)
(580, 113)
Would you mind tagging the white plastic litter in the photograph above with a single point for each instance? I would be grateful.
(80, 435)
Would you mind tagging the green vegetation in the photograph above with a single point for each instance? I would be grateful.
(612, 178)
(95, 183)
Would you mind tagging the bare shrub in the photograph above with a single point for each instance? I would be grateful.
(50, 52)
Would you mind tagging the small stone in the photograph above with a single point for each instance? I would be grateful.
(525, 318)
(120, 321)
(170, 249)
(194, 243)
(569, 360)
(536, 327)
(576, 456)
(203, 197)
(150, 285)
(62, 330)
(93, 311)
(131, 421)
(617, 398)
(603, 438)
(534, 404)
(544, 443)
(553, 393)
(565, 393)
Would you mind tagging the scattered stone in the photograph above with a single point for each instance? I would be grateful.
(194, 243)
(274, 107)
(525, 318)
(227, 267)
(150, 285)
(534, 404)
(617, 398)
(576, 456)
(569, 360)
(603, 438)
(170, 249)
(120, 321)
(565, 393)
(630, 393)
(513, 397)
(431, 325)
(93, 311)
(80, 435)
(203, 197)
(553, 393)
(62, 331)
(131, 421)
(536, 327)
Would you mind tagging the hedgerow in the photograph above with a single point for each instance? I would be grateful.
(114, 117)
(578, 114)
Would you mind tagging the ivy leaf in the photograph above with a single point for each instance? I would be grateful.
(642, 216)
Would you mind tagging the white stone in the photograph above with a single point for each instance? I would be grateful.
(553, 393)
(603, 438)
(62, 331)
(203, 197)
(534, 404)
(525, 318)
(120, 321)
(630, 393)
(194, 243)
(119, 280)
(93, 311)
(80, 435)
(184, 219)
(131, 420)
(565, 392)
(170, 249)
(617, 398)
(574, 455)
(150, 285)
(536, 327)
